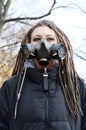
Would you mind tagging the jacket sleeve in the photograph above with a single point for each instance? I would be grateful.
(83, 104)
(4, 107)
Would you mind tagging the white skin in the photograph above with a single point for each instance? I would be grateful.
(47, 33)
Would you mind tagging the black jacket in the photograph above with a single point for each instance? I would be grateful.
(39, 109)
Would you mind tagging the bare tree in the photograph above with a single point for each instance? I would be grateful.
(5, 4)
(4, 7)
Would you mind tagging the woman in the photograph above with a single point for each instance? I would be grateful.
(44, 92)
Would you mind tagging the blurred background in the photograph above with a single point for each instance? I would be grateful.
(17, 16)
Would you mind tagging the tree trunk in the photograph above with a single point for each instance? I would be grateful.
(3, 12)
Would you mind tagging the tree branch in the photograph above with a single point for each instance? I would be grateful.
(79, 7)
(32, 18)
(69, 6)
(9, 45)
(7, 62)
(80, 56)
(6, 7)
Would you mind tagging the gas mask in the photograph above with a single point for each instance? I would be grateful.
(44, 51)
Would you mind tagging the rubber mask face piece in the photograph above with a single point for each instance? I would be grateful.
(43, 52)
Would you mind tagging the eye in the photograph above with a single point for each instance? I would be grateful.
(36, 39)
(50, 39)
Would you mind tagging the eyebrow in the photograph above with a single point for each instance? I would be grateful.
(45, 35)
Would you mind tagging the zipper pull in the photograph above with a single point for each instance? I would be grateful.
(45, 80)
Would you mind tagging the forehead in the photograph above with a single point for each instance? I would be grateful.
(43, 30)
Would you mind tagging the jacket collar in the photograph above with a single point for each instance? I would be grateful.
(36, 75)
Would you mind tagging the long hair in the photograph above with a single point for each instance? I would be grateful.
(67, 73)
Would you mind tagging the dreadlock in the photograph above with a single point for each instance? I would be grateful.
(67, 73)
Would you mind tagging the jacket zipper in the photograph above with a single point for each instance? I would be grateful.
(46, 107)
(46, 91)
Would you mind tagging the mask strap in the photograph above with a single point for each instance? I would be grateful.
(19, 92)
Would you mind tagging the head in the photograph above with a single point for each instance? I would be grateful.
(54, 35)
(48, 30)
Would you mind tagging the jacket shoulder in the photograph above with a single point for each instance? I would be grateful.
(82, 88)
(8, 84)
(82, 83)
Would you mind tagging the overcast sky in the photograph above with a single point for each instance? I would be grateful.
(71, 21)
